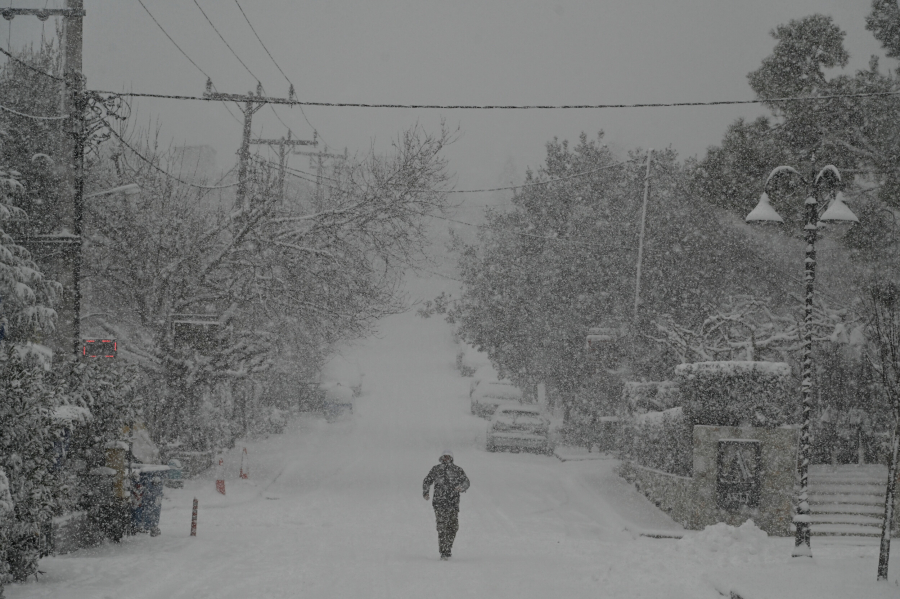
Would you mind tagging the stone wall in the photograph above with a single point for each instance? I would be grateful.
(692, 502)
(777, 473)
(671, 493)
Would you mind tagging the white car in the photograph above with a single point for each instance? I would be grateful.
(519, 427)
(487, 395)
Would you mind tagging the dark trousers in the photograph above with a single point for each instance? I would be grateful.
(447, 526)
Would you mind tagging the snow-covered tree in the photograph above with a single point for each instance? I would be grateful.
(884, 356)
(563, 260)
(308, 271)
(858, 134)
(27, 435)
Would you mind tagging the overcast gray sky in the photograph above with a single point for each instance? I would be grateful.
(456, 52)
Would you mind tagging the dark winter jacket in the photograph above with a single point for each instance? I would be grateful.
(446, 478)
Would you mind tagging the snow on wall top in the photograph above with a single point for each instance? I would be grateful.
(659, 417)
(733, 366)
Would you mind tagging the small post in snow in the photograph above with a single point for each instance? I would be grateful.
(220, 477)
(194, 519)
(245, 473)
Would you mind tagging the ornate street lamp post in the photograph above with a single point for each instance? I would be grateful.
(837, 210)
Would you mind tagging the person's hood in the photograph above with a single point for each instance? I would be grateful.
(446, 452)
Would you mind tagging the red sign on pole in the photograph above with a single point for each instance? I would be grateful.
(99, 348)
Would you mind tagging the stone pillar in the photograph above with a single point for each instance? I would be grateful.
(769, 502)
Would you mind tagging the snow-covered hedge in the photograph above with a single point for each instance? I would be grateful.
(659, 440)
(737, 393)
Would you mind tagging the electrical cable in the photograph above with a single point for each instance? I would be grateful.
(28, 66)
(531, 106)
(141, 2)
(164, 172)
(225, 42)
(31, 116)
(513, 187)
(183, 53)
(291, 83)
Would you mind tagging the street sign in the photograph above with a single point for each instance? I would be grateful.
(99, 348)
(737, 476)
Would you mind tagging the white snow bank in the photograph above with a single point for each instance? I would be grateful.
(724, 545)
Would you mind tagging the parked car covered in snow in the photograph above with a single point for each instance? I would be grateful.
(519, 427)
(487, 395)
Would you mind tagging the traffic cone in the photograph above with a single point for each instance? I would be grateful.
(220, 478)
(245, 473)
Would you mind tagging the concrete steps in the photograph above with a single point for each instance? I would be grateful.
(846, 501)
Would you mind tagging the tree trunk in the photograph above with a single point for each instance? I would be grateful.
(885, 551)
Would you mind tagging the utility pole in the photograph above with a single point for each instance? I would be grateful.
(252, 102)
(59, 252)
(283, 149)
(75, 106)
(637, 285)
(320, 167)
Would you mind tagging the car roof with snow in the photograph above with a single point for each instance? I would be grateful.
(497, 389)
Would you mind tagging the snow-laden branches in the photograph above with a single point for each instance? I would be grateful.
(745, 328)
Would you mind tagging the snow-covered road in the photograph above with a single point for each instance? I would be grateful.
(335, 510)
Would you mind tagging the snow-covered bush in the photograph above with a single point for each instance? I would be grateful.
(737, 393)
(27, 436)
(658, 440)
(106, 392)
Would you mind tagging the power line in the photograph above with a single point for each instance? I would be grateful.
(225, 42)
(290, 102)
(163, 171)
(291, 83)
(31, 116)
(513, 187)
(35, 69)
(191, 60)
(141, 2)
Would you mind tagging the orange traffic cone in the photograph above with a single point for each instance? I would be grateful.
(245, 473)
(220, 478)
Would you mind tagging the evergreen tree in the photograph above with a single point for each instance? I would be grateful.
(27, 434)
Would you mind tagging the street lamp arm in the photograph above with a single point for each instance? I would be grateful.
(783, 169)
(828, 168)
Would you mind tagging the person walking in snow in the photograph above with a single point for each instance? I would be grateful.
(449, 481)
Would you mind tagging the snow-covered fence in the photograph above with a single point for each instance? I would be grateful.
(737, 393)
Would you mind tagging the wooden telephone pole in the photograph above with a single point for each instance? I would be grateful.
(74, 103)
(251, 103)
(284, 146)
(59, 252)
(320, 167)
